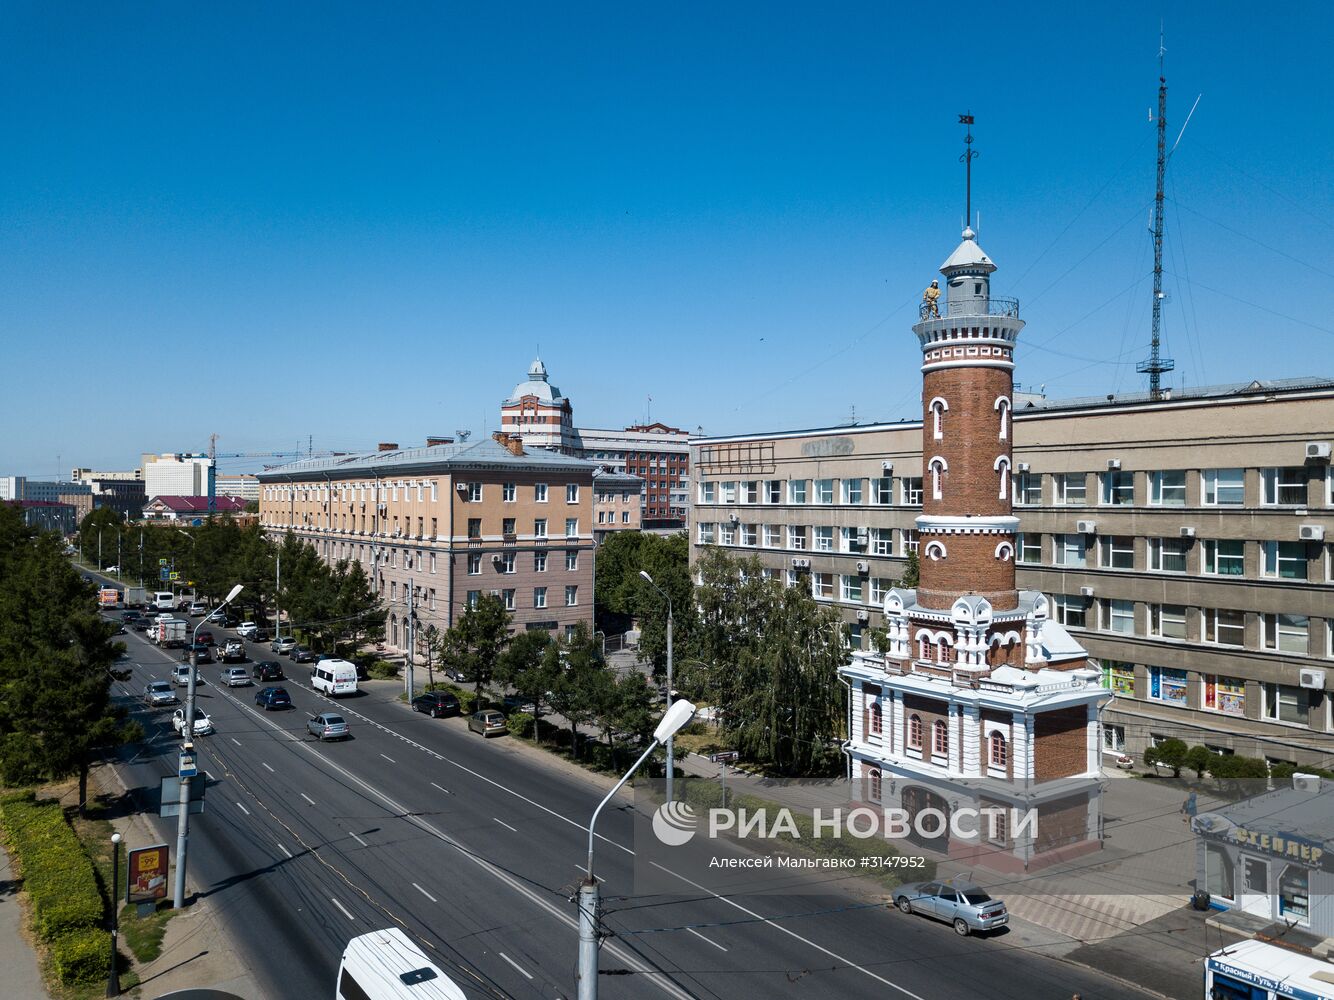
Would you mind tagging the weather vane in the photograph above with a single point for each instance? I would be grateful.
(969, 154)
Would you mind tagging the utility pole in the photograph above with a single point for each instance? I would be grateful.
(99, 549)
(412, 634)
(141, 558)
(277, 598)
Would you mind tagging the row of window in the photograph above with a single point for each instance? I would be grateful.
(803, 537)
(1217, 556)
(474, 597)
(509, 525)
(1219, 693)
(505, 562)
(1283, 486)
(389, 491)
(998, 749)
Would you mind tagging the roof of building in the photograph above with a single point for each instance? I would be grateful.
(1286, 811)
(198, 505)
(537, 385)
(485, 454)
(968, 255)
(607, 479)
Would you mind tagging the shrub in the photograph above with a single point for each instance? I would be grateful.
(57, 874)
(1200, 759)
(1169, 753)
(468, 701)
(81, 957)
(383, 670)
(519, 723)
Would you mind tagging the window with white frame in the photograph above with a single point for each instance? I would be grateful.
(1167, 488)
(571, 595)
(727, 533)
(1071, 609)
(571, 560)
(938, 406)
(1028, 488)
(507, 596)
(1284, 487)
(911, 539)
(882, 490)
(824, 491)
(796, 491)
(880, 588)
(571, 492)
(852, 539)
(1071, 489)
(1284, 560)
(851, 589)
(750, 491)
(571, 527)
(796, 537)
(708, 492)
(824, 538)
(1028, 548)
(937, 469)
(1170, 685)
(1118, 488)
(727, 492)
(474, 492)
(507, 562)
(1285, 703)
(1167, 621)
(540, 527)
(1224, 694)
(474, 563)
(1116, 552)
(474, 598)
(882, 541)
(706, 533)
(540, 492)
(1119, 677)
(1225, 626)
(1224, 557)
(1286, 633)
(1168, 555)
(1223, 487)
(773, 491)
(539, 562)
(749, 535)
(539, 597)
(853, 490)
(1120, 616)
(910, 491)
(773, 536)
(1069, 550)
(822, 585)
(1114, 738)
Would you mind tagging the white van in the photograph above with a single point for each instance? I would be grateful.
(334, 677)
(387, 965)
(164, 599)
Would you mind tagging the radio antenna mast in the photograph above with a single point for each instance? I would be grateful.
(967, 158)
(1157, 365)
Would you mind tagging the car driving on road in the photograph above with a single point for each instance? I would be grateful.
(328, 726)
(236, 677)
(283, 644)
(247, 630)
(273, 697)
(488, 722)
(203, 724)
(196, 609)
(202, 652)
(436, 704)
(233, 651)
(967, 907)
(267, 670)
(300, 654)
(159, 693)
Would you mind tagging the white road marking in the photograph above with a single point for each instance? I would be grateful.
(425, 893)
(269, 769)
(284, 850)
(243, 808)
(235, 740)
(359, 840)
(388, 758)
(704, 939)
(208, 775)
(442, 788)
(505, 825)
(342, 907)
(307, 798)
(526, 973)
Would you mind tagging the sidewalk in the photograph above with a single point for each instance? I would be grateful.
(17, 957)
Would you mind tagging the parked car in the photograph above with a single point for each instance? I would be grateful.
(300, 654)
(233, 651)
(196, 609)
(967, 907)
(204, 654)
(488, 722)
(218, 614)
(236, 677)
(205, 636)
(159, 693)
(517, 703)
(436, 704)
(458, 676)
(273, 697)
(247, 630)
(328, 726)
(283, 644)
(203, 724)
(267, 670)
(261, 635)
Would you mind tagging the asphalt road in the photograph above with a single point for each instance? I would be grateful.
(476, 850)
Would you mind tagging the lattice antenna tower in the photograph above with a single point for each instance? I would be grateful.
(1157, 365)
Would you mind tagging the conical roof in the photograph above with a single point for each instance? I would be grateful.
(968, 256)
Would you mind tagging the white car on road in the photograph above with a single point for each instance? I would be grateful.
(203, 724)
(246, 629)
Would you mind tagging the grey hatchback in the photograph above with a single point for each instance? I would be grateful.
(965, 906)
(488, 722)
(328, 726)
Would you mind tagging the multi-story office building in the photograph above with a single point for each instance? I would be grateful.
(538, 413)
(437, 527)
(617, 503)
(178, 476)
(41, 490)
(244, 486)
(1184, 541)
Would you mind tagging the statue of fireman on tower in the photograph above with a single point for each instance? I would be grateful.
(931, 301)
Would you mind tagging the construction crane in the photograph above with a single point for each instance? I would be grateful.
(214, 455)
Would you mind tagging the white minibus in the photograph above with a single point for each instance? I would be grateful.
(387, 965)
(334, 677)
(1255, 970)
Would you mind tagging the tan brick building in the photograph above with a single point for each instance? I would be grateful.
(617, 503)
(439, 526)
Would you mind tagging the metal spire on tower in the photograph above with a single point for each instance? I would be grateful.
(968, 156)
(1156, 365)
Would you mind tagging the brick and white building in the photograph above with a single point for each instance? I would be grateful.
(981, 700)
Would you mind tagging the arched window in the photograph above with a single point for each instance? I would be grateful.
(1004, 551)
(1000, 752)
(915, 731)
(1003, 406)
(940, 739)
(1002, 466)
(935, 551)
(874, 784)
(924, 647)
(875, 718)
(938, 469)
(943, 651)
(938, 408)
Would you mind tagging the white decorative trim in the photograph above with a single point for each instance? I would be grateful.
(968, 363)
(944, 524)
(1005, 551)
(1005, 407)
(1002, 465)
(937, 466)
(935, 550)
(938, 408)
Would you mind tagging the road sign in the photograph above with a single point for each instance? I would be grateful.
(186, 766)
(169, 802)
(163, 573)
(162, 562)
(725, 757)
(173, 575)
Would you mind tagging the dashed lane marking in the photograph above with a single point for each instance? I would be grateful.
(307, 798)
(525, 972)
(425, 893)
(505, 825)
(341, 907)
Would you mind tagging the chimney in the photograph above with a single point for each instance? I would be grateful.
(432, 440)
(511, 441)
(387, 446)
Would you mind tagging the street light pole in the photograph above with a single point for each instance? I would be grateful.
(671, 756)
(99, 548)
(677, 715)
(113, 979)
(187, 744)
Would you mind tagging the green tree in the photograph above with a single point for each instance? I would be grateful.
(581, 679)
(1200, 759)
(107, 524)
(1169, 753)
(667, 561)
(911, 571)
(626, 711)
(523, 667)
(475, 642)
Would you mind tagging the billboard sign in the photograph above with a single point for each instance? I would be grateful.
(147, 874)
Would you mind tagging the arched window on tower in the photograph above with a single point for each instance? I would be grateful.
(938, 408)
(1003, 467)
(938, 469)
(935, 550)
(1003, 407)
(940, 739)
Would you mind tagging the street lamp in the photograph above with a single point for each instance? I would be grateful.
(113, 979)
(676, 716)
(671, 756)
(187, 744)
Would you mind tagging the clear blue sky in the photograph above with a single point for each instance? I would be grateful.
(359, 221)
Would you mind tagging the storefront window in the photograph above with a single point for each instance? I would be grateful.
(1225, 694)
(1167, 684)
(1119, 677)
(1294, 894)
(1217, 871)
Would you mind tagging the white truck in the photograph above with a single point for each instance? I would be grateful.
(135, 597)
(168, 632)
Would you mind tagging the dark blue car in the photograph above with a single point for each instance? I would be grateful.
(273, 697)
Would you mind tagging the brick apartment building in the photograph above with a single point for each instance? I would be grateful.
(437, 527)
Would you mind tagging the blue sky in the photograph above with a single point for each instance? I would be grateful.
(358, 222)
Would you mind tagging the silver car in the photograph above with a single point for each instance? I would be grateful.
(967, 907)
(328, 726)
(236, 677)
(159, 693)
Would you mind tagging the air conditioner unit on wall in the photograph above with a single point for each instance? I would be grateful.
(1309, 783)
(863, 568)
(461, 487)
(735, 518)
(1311, 532)
(801, 563)
(1085, 591)
(495, 558)
(1023, 466)
(1086, 527)
(887, 466)
(1317, 451)
(863, 615)
(1113, 464)
(1187, 532)
(1309, 677)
